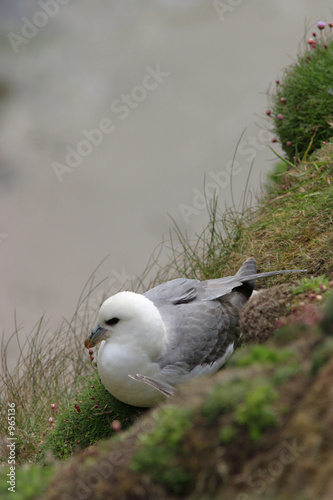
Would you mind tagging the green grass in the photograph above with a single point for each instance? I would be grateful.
(291, 227)
(316, 285)
(88, 419)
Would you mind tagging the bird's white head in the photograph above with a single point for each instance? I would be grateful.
(129, 317)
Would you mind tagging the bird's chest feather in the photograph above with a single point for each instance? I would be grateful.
(115, 364)
(119, 361)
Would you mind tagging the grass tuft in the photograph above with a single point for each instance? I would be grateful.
(93, 415)
(302, 103)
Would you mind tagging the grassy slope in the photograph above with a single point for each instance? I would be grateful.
(291, 228)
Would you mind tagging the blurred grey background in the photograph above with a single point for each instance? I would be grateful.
(173, 84)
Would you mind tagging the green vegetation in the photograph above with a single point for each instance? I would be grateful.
(160, 451)
(250, 403)
(256, 411)
(31, 482)
(224, 398)
(291, 227)
(317, 285)
(302, 104)
(259, 354)
(322, 354)
(89, 419)
(284, 373)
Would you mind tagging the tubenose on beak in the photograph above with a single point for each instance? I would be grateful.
(96, 336)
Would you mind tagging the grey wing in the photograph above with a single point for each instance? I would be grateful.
(182, 290)
(201, 336)
(202, 320)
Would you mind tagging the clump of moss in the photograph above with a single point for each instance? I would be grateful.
(160, 452)
(228, 433)
(248, 401)
(302, 104)
(31, 482)
(321, 355)
(89, 419)
(224, 398)
(259, 354)
(285, 373)
(256, 413)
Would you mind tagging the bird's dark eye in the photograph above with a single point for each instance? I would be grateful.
(112, 321)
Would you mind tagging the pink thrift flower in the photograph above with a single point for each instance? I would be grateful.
(321, 25)
(116, 426)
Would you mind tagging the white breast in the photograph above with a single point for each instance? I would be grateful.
(116, 362)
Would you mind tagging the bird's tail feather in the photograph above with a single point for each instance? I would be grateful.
(248, 272)
(257, 276)
(248, 275)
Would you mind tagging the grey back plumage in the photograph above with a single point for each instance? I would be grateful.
(202, 320)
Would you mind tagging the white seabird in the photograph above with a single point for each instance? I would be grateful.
(178, 330)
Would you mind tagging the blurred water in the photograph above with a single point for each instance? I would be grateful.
(81, 61)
